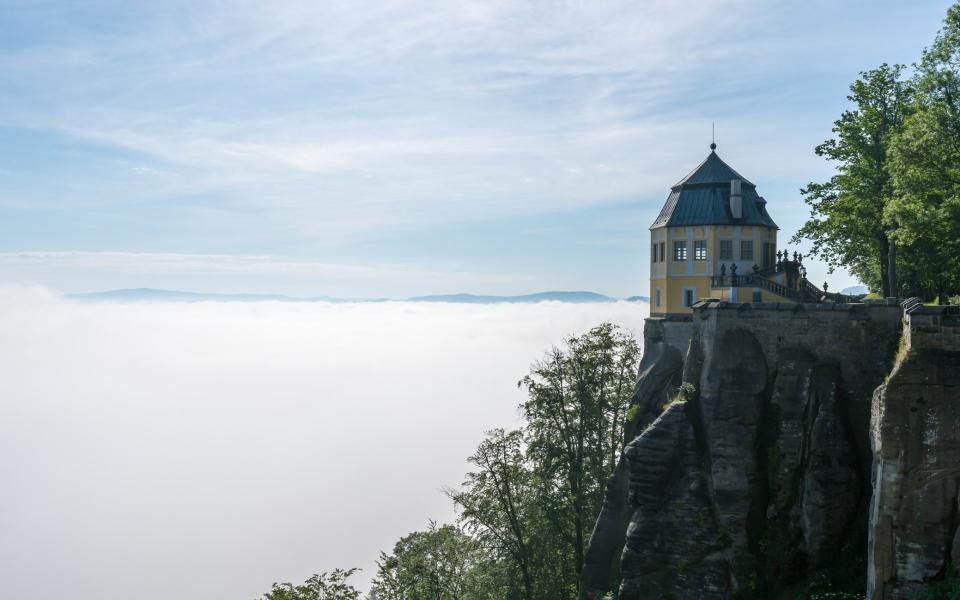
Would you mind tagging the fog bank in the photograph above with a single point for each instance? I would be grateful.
(204, 450)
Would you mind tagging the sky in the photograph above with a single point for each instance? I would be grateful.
(206, 450)
(396, 148)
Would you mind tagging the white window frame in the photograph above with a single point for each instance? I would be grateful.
(680, 247)
(699, 245)
(721, 255)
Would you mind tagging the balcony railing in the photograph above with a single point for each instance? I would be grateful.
(807, 292)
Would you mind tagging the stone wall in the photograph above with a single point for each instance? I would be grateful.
(914, 517)
(931, 327)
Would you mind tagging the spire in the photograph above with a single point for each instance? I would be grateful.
(713, 137)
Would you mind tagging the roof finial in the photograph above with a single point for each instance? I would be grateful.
(713, 136)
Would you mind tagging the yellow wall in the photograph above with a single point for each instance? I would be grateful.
(671, 293)
(672, 277)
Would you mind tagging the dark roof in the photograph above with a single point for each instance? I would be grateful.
(702, 198)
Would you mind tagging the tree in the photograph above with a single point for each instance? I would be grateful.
(577, 403)
(322, 586)
(441, 563)
(849, 225)
(497, 506)
(924, 160)
(534, 496)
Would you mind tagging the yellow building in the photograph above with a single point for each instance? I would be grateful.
(714, 230)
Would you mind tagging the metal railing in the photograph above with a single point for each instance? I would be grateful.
(807, 292)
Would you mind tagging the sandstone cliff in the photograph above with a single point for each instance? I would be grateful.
(758, 478)
(914, 517)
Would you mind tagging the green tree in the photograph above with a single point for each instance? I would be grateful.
(497, 505)
(534, 496)
(849, 225)
(322, 586)
(577, 403)
(924, 160)
(441, 563)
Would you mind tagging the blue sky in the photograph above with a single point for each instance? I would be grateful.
(401, 148)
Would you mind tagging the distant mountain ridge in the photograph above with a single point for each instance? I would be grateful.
(855, 290)
(575, 297)
(158, 295)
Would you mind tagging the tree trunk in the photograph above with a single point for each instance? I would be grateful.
(892, 269)
(527, 581)
(884, 267)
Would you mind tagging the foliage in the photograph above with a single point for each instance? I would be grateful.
(947, 588)
(843, 578)
(497, 506)
(686, 392)
(534, 494)
(924, 161)
(577, 404)
(441, 563)
(847, 224)
(891, 213)
(322, 586)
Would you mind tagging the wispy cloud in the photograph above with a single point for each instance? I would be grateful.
(236, 127)
(443, 109)
(169, 261)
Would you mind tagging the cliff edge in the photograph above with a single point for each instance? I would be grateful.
(915, 431)
(775, 448)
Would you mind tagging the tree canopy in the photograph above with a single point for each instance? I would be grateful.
(322, 586)
(848, 225)
(891, 213)
(534, 493)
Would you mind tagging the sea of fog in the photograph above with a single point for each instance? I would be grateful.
(205, 450)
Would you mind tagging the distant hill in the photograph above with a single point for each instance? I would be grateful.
(155, 295)
(574, 297)
(855, 290)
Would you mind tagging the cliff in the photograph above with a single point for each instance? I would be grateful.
(755, 479)
(914, 534)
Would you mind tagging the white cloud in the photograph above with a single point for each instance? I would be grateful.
(206, 450)
(403, 112)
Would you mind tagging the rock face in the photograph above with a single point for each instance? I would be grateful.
(672, 543)
(660, 375)
(914, 516)
(760, 474)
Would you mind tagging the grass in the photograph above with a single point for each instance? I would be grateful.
(686, 391)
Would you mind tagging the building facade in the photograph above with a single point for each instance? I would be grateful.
(713, 225)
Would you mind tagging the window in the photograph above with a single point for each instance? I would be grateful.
(688, 298)
(767, 254)
(757, 296)
(746, 250)
(663, 251)
(653, 253)
(679, 251)
(700, 250)
(658, 297)
(726, 249)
